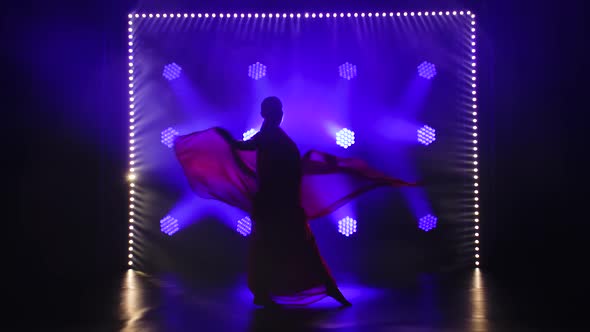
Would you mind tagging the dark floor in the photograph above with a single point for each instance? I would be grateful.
(465, 301)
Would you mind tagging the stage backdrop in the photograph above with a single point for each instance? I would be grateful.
(395, 89)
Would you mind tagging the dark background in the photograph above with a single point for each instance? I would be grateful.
(64, 161)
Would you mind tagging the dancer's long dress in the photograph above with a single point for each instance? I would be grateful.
(281, 191)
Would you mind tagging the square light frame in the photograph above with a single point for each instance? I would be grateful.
(470, 80)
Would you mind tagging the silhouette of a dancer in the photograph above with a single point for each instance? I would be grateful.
(284, 257)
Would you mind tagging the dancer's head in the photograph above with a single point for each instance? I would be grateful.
(272, 111)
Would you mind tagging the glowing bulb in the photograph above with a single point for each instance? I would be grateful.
(132, 176)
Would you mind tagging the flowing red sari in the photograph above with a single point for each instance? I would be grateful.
(285, 261)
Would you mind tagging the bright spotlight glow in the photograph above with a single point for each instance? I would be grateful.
(256, 71)
(427, 70)
(347, 226)
(171, 71)
(249, 134)
(347, 71)
(427, 223)
(426, 135)
(345, 138)
(169, 225)
(168, 136)
(244, 226)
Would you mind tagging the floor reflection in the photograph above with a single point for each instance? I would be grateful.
(478, 321)
(432, 303)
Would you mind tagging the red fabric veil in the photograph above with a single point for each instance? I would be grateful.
(217, 170)
(293, 272)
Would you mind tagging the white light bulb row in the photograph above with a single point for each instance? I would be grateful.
(475, 169)
(131, 222)
(299, 15)
(132, 176)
